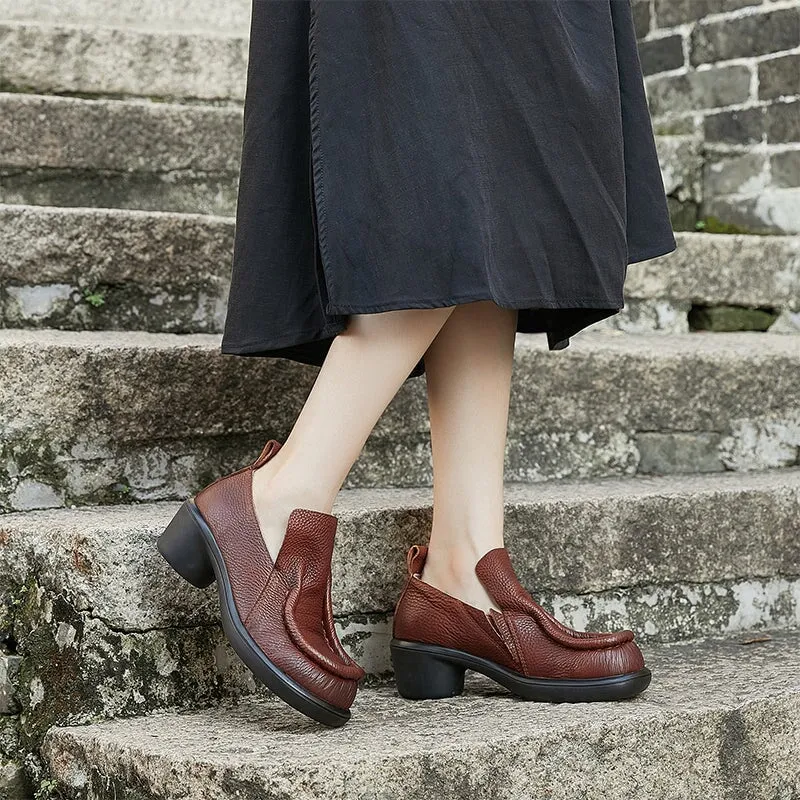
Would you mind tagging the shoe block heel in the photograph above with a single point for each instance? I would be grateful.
(183, 546)
(422, 676)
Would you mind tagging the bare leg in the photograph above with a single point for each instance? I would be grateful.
(364, 369)
(468, 368)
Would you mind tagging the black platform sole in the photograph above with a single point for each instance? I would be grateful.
(190, 549)
(431, 672)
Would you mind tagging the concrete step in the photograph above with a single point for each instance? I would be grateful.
(104, 269)
(105, 628)
(201, 15)
(107, 61)
(66, 151)
(721, 719)
(169, 272)
(107, 417)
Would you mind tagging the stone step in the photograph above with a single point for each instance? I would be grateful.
(119, 416)
(106, 61)
(66, 151)
(96, 269)
(106, 269)
(720, 719)
(105, 628)
(200, 15)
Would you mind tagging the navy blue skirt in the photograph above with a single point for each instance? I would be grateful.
(427, 153)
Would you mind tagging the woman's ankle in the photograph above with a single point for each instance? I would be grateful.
(276, 495)
(451, 569)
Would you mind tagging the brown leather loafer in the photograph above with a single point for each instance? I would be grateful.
(278, 617)
(436, 638)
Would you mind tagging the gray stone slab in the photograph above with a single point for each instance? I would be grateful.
(9, 671)
(208, 15)
(170, 272)
(72, 133)
(106, 629)
(567, 538)
(122, 62)
(93, 269)
(721, 719)
(77, 426)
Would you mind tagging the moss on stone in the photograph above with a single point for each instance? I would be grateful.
(716, 225)
(731, 318)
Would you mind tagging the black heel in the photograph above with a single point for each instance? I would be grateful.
(422, 676)
(183, 546)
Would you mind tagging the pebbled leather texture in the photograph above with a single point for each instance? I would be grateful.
(522, 636)
(286, 606)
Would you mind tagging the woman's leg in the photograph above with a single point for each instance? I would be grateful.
(366, 365)
(468, 368)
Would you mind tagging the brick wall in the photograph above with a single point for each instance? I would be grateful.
(723, 78)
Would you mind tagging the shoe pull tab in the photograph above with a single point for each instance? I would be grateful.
(415, 560)
(270, 448)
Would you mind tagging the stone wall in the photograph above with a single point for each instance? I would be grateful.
(727, 74)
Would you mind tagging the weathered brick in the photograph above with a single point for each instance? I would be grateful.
(783, 122)
(750, 35)
(746, 126)
(742, 173)
(779, 76)
(642, 17)
(677, 12)
(786, 169)
(709, 88)
(772, 211)
(659, 55)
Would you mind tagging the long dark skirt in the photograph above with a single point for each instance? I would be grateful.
(426, 153)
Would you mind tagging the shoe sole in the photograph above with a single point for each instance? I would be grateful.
(190, 549)
(430, 672)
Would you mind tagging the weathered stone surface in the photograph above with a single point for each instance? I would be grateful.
(681, 161)
(778, 77)
(731, 318)
(642, 17)
(753, 34)
(785, 167)
(783, 121)
(106, 629)
(207, 15)
(95, 269)
(735, 173)
(77, 421)
(727, 713)
(711, 88)
(14, 784)
(742, 126)
(661, 53)
(71, 133)
(566, 538)
(677, 12)
(643, 316)
(121, 62)
(722, 270)
(169, 272)
(770, 212)
(182, 192)
(9, 670)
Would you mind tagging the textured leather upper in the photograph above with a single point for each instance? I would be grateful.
(522, 636)
(285, 606)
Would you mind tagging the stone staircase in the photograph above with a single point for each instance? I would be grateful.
(653, 472)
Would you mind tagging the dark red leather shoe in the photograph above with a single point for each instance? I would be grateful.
(278, 617)
(436, 638)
